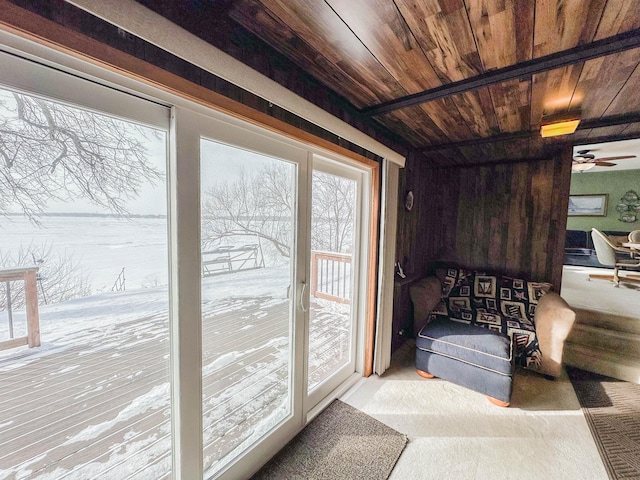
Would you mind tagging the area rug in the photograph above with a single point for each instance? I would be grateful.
(340, 443)
(612, 409)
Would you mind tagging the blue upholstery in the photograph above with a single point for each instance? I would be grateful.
(476, 346)
(471, 356)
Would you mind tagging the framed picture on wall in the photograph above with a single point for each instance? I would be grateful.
(592, 205)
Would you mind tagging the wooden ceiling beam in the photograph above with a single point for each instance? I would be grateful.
(503, 137)
(609, 121)
(506, 137)
(618, 43)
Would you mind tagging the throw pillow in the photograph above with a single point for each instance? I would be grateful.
(496, 302)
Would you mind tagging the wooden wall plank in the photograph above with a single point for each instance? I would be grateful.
(476, 108)
(561, 25)
(603, 132)
(280, 36)
(511, 102)
(632, 128)
(444, 113)
(503, 30)
(465, 225)
(628, 95)
(541, 182)
(619, 16)
(379, 25)
(443, 31)
(413, 125)
(331, 38)
(552, 91)
(509, 217)
(518, 235)
(408, 220)
(601, 81)
(560, 207)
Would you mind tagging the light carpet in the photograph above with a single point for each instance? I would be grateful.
(455, 433)
(599, 295)
(340, 443)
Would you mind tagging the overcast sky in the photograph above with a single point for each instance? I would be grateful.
(219, 163)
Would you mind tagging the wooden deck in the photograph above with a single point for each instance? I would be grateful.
(101, 409)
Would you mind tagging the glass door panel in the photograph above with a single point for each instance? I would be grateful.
(248, 211)
(83, 211)
(332, 326)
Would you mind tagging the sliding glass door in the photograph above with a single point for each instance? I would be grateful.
(248, 221)
(83, 217)
(252, 269)
(197, 282)
(279, 282)
(333, 269)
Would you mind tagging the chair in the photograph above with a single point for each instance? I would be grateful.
(606, 253)
(634, 236)
(451, 311)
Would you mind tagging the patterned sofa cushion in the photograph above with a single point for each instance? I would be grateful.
(497, 302)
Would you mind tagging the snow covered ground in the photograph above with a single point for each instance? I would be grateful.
(94, 400)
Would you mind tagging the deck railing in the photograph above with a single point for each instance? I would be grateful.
(331, 276)
(29, 276)
(228, 259)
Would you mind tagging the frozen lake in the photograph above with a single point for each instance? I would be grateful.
(102, 246)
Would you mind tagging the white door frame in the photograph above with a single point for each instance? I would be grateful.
(184, 237)
(323, 163)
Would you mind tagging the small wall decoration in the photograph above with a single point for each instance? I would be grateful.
(629, 207)
(588, 205)
(408, 201)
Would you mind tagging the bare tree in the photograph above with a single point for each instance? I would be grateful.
(254, 205)
(54, 151)
(261, 204)
(333, 209)
(59, 276)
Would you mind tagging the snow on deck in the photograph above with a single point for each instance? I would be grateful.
(94, 400)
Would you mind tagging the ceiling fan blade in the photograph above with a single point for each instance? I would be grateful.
(622, 157)
(604, 164)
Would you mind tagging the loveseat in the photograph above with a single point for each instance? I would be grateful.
(473, 328)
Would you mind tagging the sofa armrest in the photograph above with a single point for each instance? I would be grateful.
(425, 295)
(554, 320)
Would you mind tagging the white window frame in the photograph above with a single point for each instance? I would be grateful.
(183, 209)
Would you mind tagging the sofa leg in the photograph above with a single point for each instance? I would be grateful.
(425, 374)
(497, 402)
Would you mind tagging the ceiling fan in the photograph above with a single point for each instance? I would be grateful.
(585, 160)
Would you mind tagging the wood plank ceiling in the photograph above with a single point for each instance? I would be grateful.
(467, 81)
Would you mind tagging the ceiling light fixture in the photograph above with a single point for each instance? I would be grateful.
(582, 167)
(564, 127)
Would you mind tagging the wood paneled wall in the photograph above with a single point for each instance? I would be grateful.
(509, 217)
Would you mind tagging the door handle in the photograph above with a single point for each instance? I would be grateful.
(304, 289)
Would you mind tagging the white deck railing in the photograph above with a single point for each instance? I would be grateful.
(331, 276)
(29, 276)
